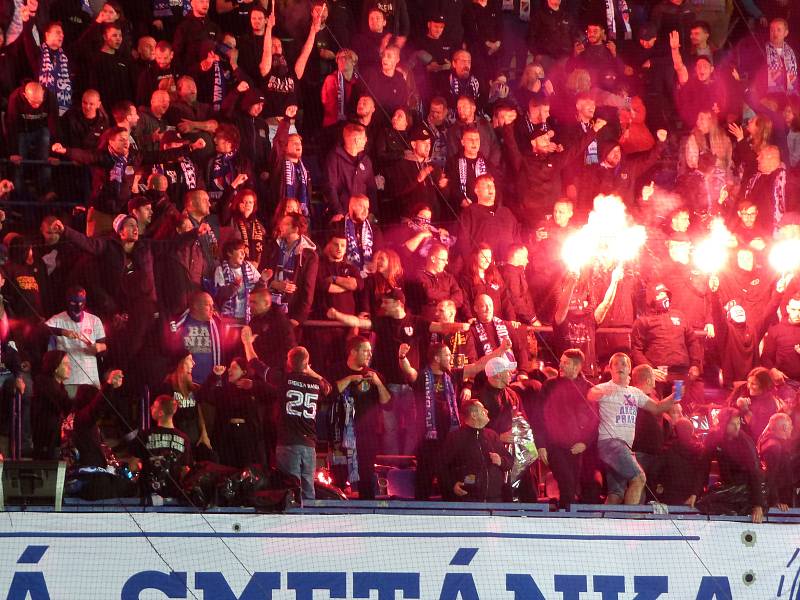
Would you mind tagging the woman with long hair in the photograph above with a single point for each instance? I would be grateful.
(189, 416)
(285, 207)
(481, 276)
(745, 153)
(246, 225)
(705, 160)
(531, 84)
(756, 401)
(387, 276)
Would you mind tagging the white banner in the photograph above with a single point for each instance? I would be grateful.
(108, 556)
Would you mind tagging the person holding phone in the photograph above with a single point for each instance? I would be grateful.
(619, 403)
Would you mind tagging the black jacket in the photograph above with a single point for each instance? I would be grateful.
(466, 453)
(551, 32)
(425, 290)
(347, 176)
(665, 339)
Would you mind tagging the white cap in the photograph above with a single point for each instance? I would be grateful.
(497, 365)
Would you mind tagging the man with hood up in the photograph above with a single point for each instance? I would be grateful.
(738, 332)
(664, 338)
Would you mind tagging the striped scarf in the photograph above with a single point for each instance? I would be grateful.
(483, 337)
(222, 172)
(343, 419)
(781, 70)
(611, 21)
(480, 169)
(358, 257)
(254, 242)
(469, 87)
(295, 181)
(187, 168)
(341, 95)
(249, 279)
(163, 8)
(117, 172)
(778, 192)
(431, 432)
(287, 264)
(54, 76)
(219, 87)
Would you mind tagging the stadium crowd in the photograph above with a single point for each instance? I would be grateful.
(403, 195)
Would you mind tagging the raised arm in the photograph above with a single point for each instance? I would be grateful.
(677, 59)
(266, 53)
(302, 60)
(409, 372)
(611, 293)
(473, 368)
(95, 246)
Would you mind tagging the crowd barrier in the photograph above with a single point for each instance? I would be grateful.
(450, 556)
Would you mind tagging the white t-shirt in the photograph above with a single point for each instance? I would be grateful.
(619, 406)
(83, 357)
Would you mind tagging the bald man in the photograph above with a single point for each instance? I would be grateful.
(153, 120)
(31, 123)
(767, 188)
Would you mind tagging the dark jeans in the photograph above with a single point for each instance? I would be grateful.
(653, 465)
(429, 453)
(367, 443)
(566, 468)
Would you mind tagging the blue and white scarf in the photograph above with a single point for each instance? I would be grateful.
(358, 256)
(781, 70)
(470, 87)
(163, 8)
(54, 76)
(187, 168)
(341, 95)
(778, 192)
(249, 279)
(222, 172)
(480, 169)
(483, 337)
(287, 263)
(219, 87)
(343, 419)
(431, 432)
(295, 182)
(117, 172)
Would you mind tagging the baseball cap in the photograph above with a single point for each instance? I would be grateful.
(419, 133)
(497, 365)
(138, 201)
